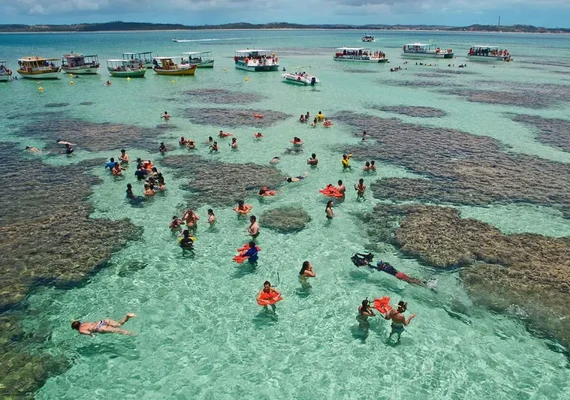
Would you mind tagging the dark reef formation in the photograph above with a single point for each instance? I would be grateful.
(551, 131)
(221, 96)
(288, 219)
(460, 168)
(505, 273)
(221, 184)
(413, 111)
(233, 118)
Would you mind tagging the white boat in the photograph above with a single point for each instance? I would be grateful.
(300, 78)
(173, 66)
(359, 54)
(79, 64)
(256, 60)
(39, 68)
(122, 68)
(488, 53)
(145, 58)
(203, 59)
(368, 38)
(422, 50)
(5, 73)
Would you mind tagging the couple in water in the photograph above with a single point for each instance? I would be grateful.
(399, 321)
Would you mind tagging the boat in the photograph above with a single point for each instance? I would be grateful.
(173, 66)
(300, 78)
(421, 50)
(488, 53)
(256, 60)
(5, 73)
(203, 59)
(79, 64)
(145, 58)
(368, 38)
(359, 54)
(122, 68)
(39, 68)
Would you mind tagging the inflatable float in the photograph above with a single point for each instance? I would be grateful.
(331, 191)
(240, 258)
(382, 304)
(268, 299)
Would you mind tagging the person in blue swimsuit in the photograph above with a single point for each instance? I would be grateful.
(251, 254)
(103, 326)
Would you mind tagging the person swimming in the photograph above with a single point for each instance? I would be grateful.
(234, 144)
(186, 242)
(103, 326)
(305, 273)
(398, 319)
(297, 178)
(313, 161)
(274, 160)
(257, 135)
(214, 148)
(361, 260)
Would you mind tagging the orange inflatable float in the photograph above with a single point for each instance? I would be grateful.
(240, 258)
(268, 299)
(257, 116)
(382, 304)
(331, 191)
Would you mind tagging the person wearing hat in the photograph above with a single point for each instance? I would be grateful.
(398, 319)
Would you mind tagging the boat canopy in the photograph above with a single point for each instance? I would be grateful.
(32, 59)
(484, 46)
(419, 44)
(137, 54)
(165, 58)
(121, 60)
(255, 52)
(78, 55)
(352, 48)
(195, 53)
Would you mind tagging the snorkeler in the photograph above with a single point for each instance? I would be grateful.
(103, 326)
(364, 312)
(306, 272)
(398, 319)
(257, 135)
(32, 149)
(297, 178)
(361, 260)
(223, 134)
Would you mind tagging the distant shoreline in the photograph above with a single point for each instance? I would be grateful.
(119, 26)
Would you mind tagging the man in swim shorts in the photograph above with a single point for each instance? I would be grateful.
(398, 319)
(253, 229)
(297, 178)
(103, 326)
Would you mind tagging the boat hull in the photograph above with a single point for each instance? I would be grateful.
(176, 72)
(6, 77)
(428, 55)
(256, 68)
(53, 74)
(139, 73)
(300, 81)
(489, 59)
(372, 60)
(80, 70)
(206, 64)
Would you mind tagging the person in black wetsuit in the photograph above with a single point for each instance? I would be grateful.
(361, 260)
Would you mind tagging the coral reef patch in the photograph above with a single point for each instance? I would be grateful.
(221, 96)
(233, 118)
(288, 219)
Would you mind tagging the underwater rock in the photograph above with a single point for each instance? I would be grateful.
(288, 219)
(499, 271)
(92, 136)
(56, 105)
(233, 118)
(413, 111)
(551, 131)
(221, 96)
(460, 168)
(416, 84)
(221, 184)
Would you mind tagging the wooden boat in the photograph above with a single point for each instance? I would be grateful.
(5, 73)
(39, 68)
(121, 68)
(256, 60)
(203, 59)
(79, 64)
(173, 66)
(144, 58)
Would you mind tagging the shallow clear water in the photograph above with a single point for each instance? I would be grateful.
(200, 333)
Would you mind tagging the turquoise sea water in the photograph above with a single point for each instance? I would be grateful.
(200, 333)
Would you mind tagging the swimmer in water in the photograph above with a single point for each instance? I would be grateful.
(360, 189)
(108, 83)
(64, 143)
(148, 190)
(223, 134)
(182, 141)
(234, 144)
(346, 161)
(267, 294)
(211, 217)
(187, 243)
(274, 160)
(329, 210)
(117, 170)
(130, 193)
(191, 219)
(32, 149)
(190, 144)
(68, 150)
(124, 158)
(313, 161)
(257, 135)
(302, 119)
(297, 178)
(366, 166)
(162, 148)
(175, 224)
(210, 140)
(243, 209)
(373, 166)
(364, 312)
(361, 260)
(251, 254)
(214, 148)
(305, 273)
(320, 116)
(398, 319)
(341, 188)
(253, 229)
(296, 141)
(364, 136)
(103, 326)
(166, 116)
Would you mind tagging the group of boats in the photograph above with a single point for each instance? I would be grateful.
(133, 65)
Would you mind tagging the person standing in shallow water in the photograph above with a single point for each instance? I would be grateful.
(398, 319)
(329, 210)
(166, 116)
(306, 272)
(364, 312)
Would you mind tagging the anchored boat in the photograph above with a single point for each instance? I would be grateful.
(421, 50)
(39, 68)
(488, 53)
(80, 64)
(203, 59)
(256, 60)
(121, 68)
(173, 66)
(359, 54)
(368, 38)
(143, 59)
(5, 73)
(300, 78)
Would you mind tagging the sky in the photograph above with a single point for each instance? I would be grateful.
(547, 13)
